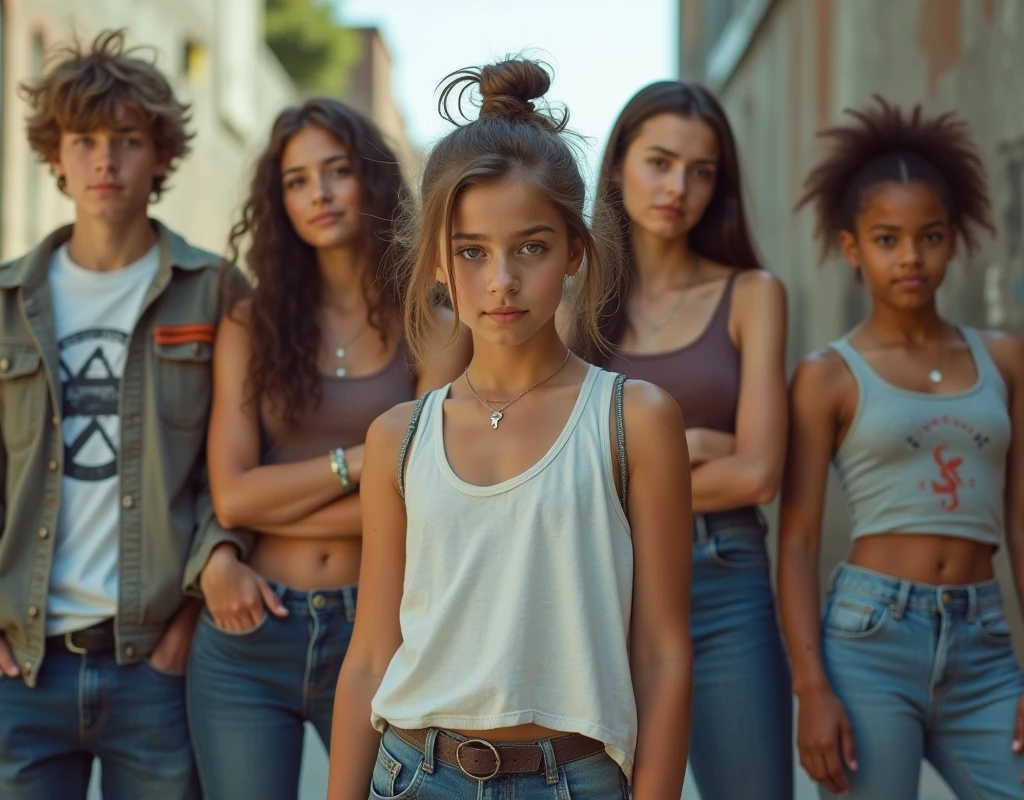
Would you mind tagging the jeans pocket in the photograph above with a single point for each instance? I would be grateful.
(993, 625)
(163, 674)
(393, 780)
(207, 618)
(739, 550)
(854, 617)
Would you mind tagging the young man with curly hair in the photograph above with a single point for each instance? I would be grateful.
(106, 334)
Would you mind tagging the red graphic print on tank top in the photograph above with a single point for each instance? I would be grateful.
(949, 480)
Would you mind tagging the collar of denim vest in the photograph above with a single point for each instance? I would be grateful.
(32, 268)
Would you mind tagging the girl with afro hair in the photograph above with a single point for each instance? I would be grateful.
(924, 421)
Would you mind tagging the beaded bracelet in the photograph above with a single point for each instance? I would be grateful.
(340, 468)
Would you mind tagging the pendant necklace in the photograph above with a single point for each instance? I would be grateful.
(498, 413)
(935, 376)
(342, 350)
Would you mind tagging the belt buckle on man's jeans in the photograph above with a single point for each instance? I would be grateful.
(72, 647)
(489, 746)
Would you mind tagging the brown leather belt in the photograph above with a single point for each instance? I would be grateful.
(483, 760)
(97, 639)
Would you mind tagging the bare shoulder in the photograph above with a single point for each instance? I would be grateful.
(821, 375)
(1007, 351)
(759, 286)
(387, 432)
(650, 413)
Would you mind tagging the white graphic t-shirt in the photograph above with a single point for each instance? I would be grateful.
(94, 313)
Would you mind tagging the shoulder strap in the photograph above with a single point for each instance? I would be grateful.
(620, 439)
(414, 421)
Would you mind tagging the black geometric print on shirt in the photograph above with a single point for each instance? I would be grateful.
(90, 384)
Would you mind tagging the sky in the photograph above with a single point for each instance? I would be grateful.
(601, 51)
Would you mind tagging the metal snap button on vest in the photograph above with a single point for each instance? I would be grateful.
(319, 601)
(128, 501)
(52, 466)
(44, 533)
(5, 364)
(26, 668)
(129, 651)
(33, 611)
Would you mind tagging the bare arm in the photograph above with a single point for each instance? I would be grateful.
(246, 494)
(751, 474)
(377, 634)
(660, 651)
(1008, 353)
(822, 727)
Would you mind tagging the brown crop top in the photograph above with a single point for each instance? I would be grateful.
(343, 416)
(703, 376)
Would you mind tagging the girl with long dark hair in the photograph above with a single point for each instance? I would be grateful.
(695, 314)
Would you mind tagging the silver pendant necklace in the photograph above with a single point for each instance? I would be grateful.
(498, 413)
(342, 350)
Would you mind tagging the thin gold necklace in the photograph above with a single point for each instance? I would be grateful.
(498, 413)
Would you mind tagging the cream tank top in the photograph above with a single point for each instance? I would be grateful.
(517, 596)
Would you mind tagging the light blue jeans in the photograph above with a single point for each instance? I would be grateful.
(403, 772)
(924, 672)
(741, 745)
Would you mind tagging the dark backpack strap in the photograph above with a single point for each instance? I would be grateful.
(620, 440)
(409, 433)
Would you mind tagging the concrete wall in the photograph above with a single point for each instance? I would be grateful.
(235, 84)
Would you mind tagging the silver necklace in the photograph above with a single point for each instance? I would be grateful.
(935, 376)
(342, 350)
(656, 327)
(498, 413)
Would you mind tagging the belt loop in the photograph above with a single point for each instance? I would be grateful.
(550, 766)
(349, 596)
(428, 751)
(902, 600)
(972, 602)
(833, 576)
(700, 528)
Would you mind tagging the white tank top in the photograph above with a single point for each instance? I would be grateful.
(517, 596)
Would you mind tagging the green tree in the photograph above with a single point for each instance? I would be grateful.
(315, 50)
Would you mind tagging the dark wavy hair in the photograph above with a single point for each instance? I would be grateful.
(287, 284)
(884, 145)
(722, 233)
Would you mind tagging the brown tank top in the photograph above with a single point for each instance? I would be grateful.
(344, 414)
(703, 376)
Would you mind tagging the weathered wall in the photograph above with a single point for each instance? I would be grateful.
(808, 60)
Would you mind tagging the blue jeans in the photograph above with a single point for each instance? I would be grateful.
(742, 740)
(403, 772)
(131, 718)
(249, 694)
(924, 672)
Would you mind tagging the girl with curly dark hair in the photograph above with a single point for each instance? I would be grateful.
(303, 364)
(924, 421)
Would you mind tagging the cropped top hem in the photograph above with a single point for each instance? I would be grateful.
(916, 528)
(621, 752)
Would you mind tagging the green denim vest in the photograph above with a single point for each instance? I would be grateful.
(167, 527)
